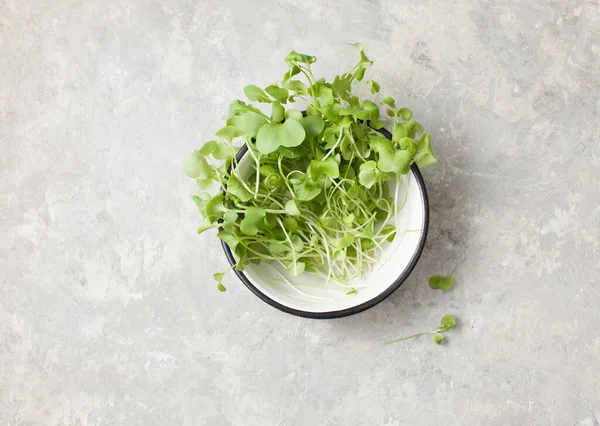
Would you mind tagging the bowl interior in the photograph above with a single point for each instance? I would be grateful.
(311, 294)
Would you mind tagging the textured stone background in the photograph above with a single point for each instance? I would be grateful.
(108, 312)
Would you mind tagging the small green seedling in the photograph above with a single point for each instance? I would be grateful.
(447, 322)
(442, 282)
(219, 277)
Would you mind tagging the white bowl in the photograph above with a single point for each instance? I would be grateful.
(310, 296)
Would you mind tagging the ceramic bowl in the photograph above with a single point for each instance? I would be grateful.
(310, 297)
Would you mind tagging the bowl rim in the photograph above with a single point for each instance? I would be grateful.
(365, 305)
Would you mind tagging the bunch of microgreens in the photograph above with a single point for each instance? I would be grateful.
(322, 195)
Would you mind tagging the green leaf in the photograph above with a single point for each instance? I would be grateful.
(348, 220)
(376, 124)
(278, 93)
(235, 188)
(402, 161)
(271, 136)
(325, 94)
(223, 150)
(368, 174)
(374, 86)
(409, 145)
(294, 57)
(389, 230)
(367, 178)
(385, 163)
(294, 113)
(205, 225)
(447, 322)
(238, 107)
(425, 156)
(238, 122)
(362, 114)
(411, 128)
(267, 170)
(277, 248)
(290, 224)
(328, 167)
(331, 112)
(296, 86)
(347, 171)
(441, 282)
(346, 240)
(306, 191)
(215, 207)
(360, 73)
(207, 148)
(340, 85)
(294, 70)
(385, 151)
(390, 159)
(330, 136)
(205, 183)
(278, 112)
(273, 181)
(254, 122)
(374, 117)
(297, 243)
(253, 220)
(346, 122)
(231, 240)
(368, 165)
(230, 216)
(256, 94)
(200, 200)
(363, 63)
(438, 338)
(313, 125)
(405, 114)
(196, 167)
(291, 208)
(219, 277)
(398, 132)
(389, 102)
(229, 133)
(373, 109)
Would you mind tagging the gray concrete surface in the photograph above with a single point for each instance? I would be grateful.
(108, 312)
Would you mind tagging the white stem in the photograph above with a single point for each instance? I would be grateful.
(334, 146)
(296, 288)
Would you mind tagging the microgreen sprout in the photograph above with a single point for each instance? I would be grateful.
(219, 277)
(447, 322)
(442, 282)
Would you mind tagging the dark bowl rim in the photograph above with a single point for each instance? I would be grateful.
(363, 306)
